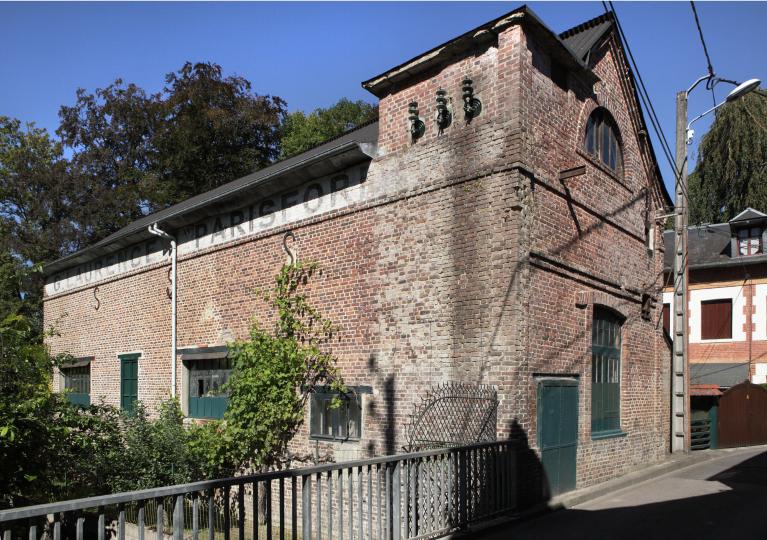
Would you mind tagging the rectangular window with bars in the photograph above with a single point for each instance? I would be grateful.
(207, 396)
(336, 423)
(716, 319)
(605, 372)
(77, 384)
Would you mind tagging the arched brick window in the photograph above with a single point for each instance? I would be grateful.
(602, 139)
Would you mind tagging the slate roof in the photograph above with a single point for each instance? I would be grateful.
(354, 146)
(747, 215)
(583, 37)
(710, 246)
(726, 375)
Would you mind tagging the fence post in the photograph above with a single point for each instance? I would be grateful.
(178, 518)
(396, 501)
(306, 506)
(462, 491)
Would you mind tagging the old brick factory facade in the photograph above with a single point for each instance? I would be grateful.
(512, 246)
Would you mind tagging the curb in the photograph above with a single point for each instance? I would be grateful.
(626, 481)
(640, 476)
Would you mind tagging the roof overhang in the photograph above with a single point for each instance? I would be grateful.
(471, 41)
(258, 185)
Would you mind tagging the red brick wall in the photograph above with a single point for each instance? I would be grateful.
(466, 267)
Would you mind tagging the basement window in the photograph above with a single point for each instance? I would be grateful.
(340, 423)
(77, 383)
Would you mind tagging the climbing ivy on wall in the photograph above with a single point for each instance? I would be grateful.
(273, 375)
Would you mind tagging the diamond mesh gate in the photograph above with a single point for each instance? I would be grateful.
(454, 414)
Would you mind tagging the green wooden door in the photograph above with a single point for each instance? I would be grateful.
(558, 432)
(128, 382)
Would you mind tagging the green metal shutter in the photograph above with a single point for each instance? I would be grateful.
(128, 382)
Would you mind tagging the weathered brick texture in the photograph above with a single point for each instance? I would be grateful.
(475, 264)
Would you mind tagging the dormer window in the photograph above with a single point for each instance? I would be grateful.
(602, 140)
(750, 241)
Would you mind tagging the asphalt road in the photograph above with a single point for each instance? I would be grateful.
(719, 499)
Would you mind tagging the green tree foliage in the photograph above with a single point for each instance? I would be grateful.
(303, 131)
(273, 375)
(731, 173)
(214, 129)
(49, 449)
(135, 152)
(153, 452)
(36, 210)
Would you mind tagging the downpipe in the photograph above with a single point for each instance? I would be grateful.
(155, 230)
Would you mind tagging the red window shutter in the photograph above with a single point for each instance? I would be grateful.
(667, 318)
(716, 319)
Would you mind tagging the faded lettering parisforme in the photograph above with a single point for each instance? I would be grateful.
(315, 197)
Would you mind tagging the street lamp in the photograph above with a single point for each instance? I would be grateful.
(680, 402)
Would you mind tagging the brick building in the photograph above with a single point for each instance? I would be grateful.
(513, 246)
(728, 302)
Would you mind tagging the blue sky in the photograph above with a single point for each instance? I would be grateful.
(311, 54)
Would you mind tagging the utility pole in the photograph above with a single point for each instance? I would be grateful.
(680, 402)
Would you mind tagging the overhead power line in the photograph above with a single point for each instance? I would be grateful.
(644, 95)
(711, 74)
(702, 40)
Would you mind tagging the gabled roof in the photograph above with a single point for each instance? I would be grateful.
(382, 84)
(583, 37)
(352, 147)
(747, 215)
(710, 246)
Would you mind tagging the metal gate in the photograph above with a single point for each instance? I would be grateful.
(742, 416)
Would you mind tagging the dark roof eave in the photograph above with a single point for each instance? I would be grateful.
(381, 84)
(353, 152)
(738, 261)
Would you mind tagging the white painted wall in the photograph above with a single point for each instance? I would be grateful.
(718, 293)
(760, 312)
(760, 374)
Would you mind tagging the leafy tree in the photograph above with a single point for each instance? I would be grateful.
(731, 173)
(214, 129)
(303, 131)
(273, 375)
(49, 449)
(135, 152)
(110, 133)
(35, 210)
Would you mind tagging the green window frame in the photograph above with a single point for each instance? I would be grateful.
(343, 423)
(605, 372)
(207, 396)
(128, 381)
(77, 384)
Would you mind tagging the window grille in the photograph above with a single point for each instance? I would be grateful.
(605, 372)
(340, 423)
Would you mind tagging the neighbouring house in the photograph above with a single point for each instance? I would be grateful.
(495, 226)
(727, 307)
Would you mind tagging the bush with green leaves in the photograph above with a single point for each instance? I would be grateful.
(272, 377)
(154, 452)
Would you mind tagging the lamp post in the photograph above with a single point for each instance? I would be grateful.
(680, 400)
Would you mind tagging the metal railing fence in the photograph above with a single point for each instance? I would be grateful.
(407, 496)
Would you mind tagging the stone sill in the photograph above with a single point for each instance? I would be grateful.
(602, 435)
